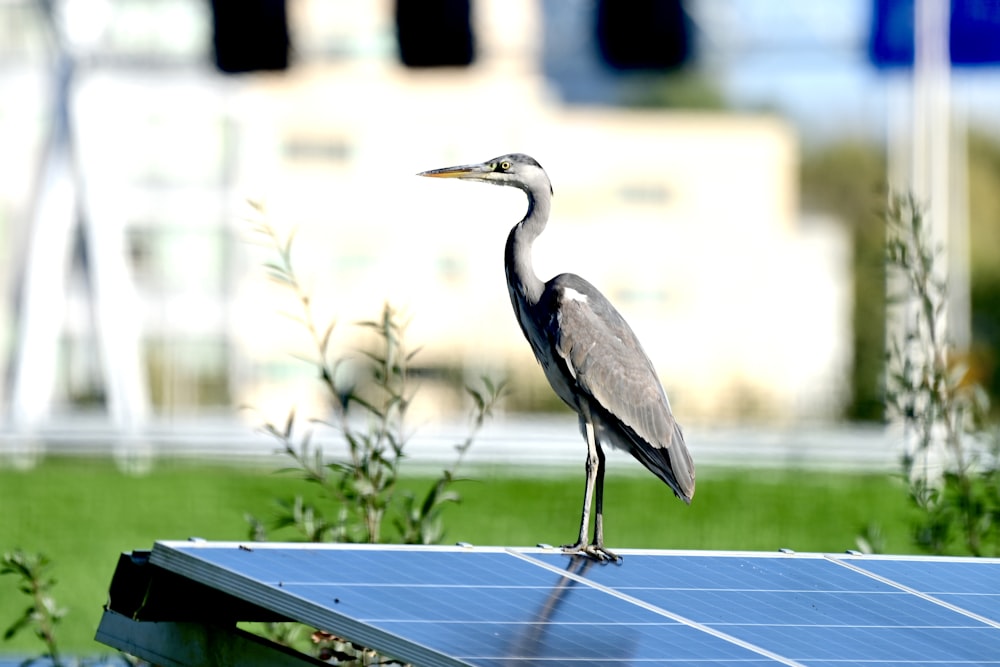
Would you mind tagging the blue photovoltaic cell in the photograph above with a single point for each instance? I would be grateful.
(968, 583)
(936, 575)
(455, 605)
(318, 565)
(795, 608)
(496, 607)
(599, 642)
(736, 572)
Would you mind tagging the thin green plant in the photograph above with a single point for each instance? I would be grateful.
(43, 613)
(359, 490)
(370, 417)
(951, 456)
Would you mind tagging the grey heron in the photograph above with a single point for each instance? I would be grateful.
(590, 355)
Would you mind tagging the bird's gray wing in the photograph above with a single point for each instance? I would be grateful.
(608, 363)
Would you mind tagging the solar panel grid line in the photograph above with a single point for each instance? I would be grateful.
(903, 663)
(560, 662)
(177, 560)
(913, 591)
(869, 626)
(663, 612)
(904, 558)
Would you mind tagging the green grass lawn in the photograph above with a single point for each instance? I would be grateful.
(82, 513)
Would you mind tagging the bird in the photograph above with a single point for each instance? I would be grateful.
(591, 357)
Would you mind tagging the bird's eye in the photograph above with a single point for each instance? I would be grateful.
(505, 165)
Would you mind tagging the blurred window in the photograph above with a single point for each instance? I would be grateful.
(643, 34)
(434, 33)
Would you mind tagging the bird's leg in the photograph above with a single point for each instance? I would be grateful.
(596, 548)
(598, 542)
(591, 468)
(595, 478)
(599, 500)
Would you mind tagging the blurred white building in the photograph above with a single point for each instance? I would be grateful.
(689, 222)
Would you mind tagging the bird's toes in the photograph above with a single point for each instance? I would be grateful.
(595, 551)
(598, 552)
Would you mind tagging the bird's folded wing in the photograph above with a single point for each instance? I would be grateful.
(604, 355)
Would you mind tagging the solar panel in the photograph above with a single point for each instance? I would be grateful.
(495, 606)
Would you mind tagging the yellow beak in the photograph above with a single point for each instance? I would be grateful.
(463, 171)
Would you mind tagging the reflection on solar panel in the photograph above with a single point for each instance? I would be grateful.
(494, 606)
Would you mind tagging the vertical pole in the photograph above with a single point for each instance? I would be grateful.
(959, 272)
(931, 83)
(62, 194)
(938, 164)
(42, 303)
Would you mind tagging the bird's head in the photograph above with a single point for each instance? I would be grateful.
(516, 169)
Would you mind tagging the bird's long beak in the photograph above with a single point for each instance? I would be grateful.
(474, 171)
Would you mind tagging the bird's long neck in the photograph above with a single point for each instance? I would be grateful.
(521, 278)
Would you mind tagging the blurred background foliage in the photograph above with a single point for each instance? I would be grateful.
(984, 218)
(847, 179)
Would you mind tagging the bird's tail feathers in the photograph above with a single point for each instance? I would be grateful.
(682, 465)
(672, 464)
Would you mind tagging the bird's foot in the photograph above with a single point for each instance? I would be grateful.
(596, 551)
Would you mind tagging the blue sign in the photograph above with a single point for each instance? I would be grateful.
(974, 33)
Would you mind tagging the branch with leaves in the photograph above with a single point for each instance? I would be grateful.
(370, 416)
(43, 613)
(360, 490)
(953, 479)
